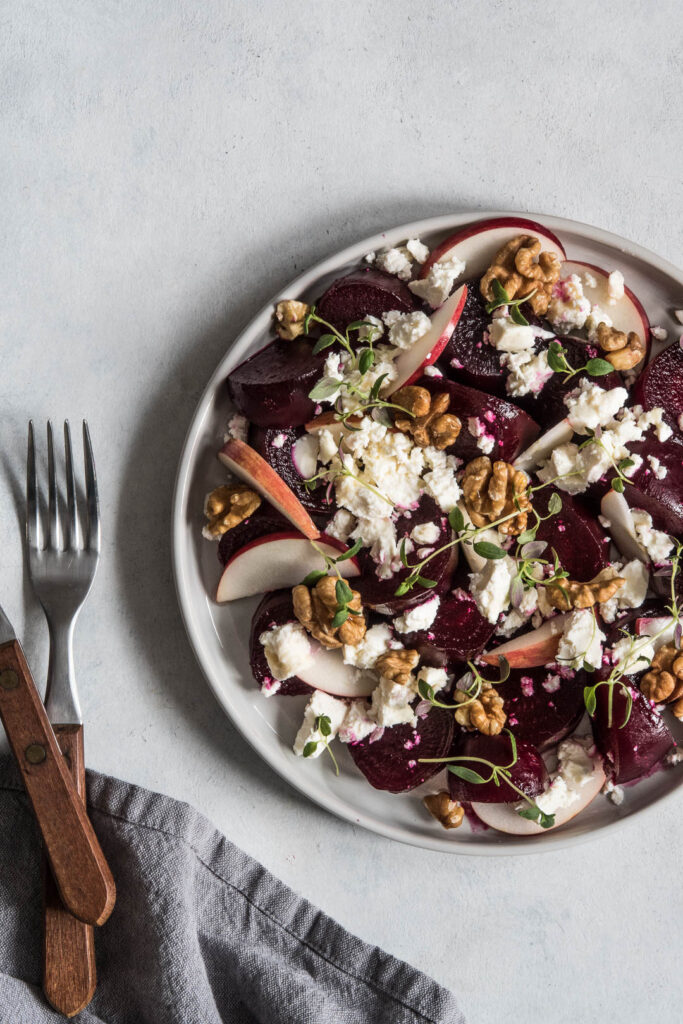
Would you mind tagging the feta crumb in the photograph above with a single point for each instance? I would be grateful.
(391, 703)
(485, 441)
(437, 678)
(574, 769)
(417, 250)
(419, 617)
(406, 328)
(581, 640)
(340, 525)
(358, 723)
(507, 336)
(432, 371)
(278, 441)
(395, 261)
(657, 544)
(631, 594)
(590, 280)
(375, 643)
(319, 704)
(287, 649)
(568, 307)
(659, 333)
(490, 588)
(327, 446)
(615, 794)
(526, 373)
(237, 427)
(426, 533)
(658, 469)
(551, 683)
(374, 328)
(590, 406)
(634, 655)
(615, 287)
(435, 288)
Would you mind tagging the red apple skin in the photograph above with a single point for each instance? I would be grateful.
(661, 383)
(281, 459)
(274, 610)
(638, 748)
(389, 764)
(513, 429)
(444, 321)
(529, 772)
(517, 225)
(271, 387)
(265, 520)
(362, 293)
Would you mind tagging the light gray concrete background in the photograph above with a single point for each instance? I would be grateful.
(164, 167)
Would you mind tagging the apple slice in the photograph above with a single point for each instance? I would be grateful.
(326, 671)
(477, 244)
(544, 446)
(476, 562)
(330, 421)
(615, 509)
(539, 647)
(249, 466)
(662, 627)
(504, 817)
(278, 561)
(411, 362)
(626, 313)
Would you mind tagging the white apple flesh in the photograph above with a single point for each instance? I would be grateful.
(477, 244)
(305, 455)
(476, 562)
(326, 671)
(616, 511)
(426, 350)
(626, 313)
(278, 561)
(250, 467)
(539, 647)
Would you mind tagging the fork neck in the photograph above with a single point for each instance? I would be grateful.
(61, 698)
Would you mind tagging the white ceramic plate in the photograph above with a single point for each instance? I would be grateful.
(219, 634)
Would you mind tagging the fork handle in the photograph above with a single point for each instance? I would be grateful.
(69, 974)
(81, 872)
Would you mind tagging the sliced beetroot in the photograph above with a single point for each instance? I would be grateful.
(468, 356)
(634, 750)
(661, 384)
(529, 772)
(271, 388)
(576, 535)
(392, 762)
(276, 445)
(265, 520)
(459, 632)
(543, 706)
(548, 407)
(274, 610)
(380, 594)
(512, 429)
(663, 499)
(363, 293)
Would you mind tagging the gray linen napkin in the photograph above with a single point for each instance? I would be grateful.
(201, 933)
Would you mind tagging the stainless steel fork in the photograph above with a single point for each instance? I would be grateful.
(62, 560)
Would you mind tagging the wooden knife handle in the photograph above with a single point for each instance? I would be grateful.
(69, 974)
(81, 872)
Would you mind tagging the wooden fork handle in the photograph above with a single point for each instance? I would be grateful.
(81, 872)
(69, 974)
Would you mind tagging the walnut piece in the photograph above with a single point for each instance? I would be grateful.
(485, 714)
(397, 665)
(621, 351)
(227, 506)
(584, 595)
(521, 267)
(316, 608)
(290, 316)
(449, 812)
(431, 423)
(493, 490)
(663, 682)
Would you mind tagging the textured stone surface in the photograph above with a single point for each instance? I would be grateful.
(165, 166)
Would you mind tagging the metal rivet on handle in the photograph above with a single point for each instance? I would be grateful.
(9, 680)
(35, 753)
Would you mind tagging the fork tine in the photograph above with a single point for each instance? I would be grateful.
(54, 533)
(33, 530)
(73, 539)
(93, 541)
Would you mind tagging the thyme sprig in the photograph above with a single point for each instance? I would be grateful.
(558, 362)
(501, 298)
(475, 684)
(323, 725)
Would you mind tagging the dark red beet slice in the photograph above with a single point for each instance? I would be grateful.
(529, 771)
(512, 429)
(663, 499)
(363, 293)
(537, 715)
(381, 594)
(661, 383)
(392, 762)
(470, 359)
(581, 543)
(548, 407)
(271, 388)
(267, 442)
(274, 610)
(265, 520)
(459, 632)
(634, 751)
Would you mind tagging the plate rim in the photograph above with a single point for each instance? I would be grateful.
(513, 846)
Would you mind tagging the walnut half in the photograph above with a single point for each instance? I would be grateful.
(622, 351)
(397, 665)
(493, 490)
(521, 268)
(227, 507)
(584, 595)
(430, 423)
(449, 812)
(316, 608)
(485, 714)
(663, 682)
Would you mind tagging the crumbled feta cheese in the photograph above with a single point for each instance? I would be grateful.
(654, 418)
(575, 768)
(568, 307)
(319, 704)
(590, 280)
(438, 284)
(327, 446)
(376, 642)
(633, 654)
(659, 333)
(519, 617)
(615, 794)
(437, 678)
(418, 250)
(340, 525)
(419, 617)
(596, 317)
(590, 406)
(615, 287)
(551, 683)
(440, 481)
(358, 723)
(485, 441)
(657, 468)
(657, 544)
(391, 703)
(339, 368)
(379, 534)
(581, 640)
(563, 466)
(287, 649)
(395, 261)
(374, 328)
(507, 336)
(426, 533)
(237, 427)
(490, 588)
(432, 371)
(406, 328)
(278, 441)
(526, 373)
(269, 687)
(631, 594)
